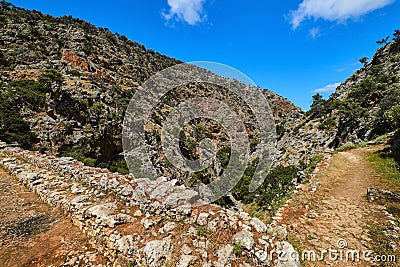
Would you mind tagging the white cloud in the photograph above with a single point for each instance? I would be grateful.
(330, 88)
(315, 32)
(334, 10)
(189, 11)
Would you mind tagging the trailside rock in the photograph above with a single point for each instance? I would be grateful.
(158, 251)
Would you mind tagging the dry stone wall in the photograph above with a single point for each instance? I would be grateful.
(150, 223)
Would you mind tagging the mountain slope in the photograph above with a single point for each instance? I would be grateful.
(366, 105)
(83, 78)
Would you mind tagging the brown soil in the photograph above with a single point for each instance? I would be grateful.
(337, 210)
(31, 234)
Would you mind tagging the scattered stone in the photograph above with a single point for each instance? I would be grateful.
(202, 218)
(224, 255)
(157, 250)
(245, 239)
(185, 260)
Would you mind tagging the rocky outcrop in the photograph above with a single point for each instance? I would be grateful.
(382, 195)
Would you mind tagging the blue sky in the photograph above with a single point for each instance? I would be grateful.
(290, 47)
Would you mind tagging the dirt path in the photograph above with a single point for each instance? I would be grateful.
(33, 235)
(337, 214)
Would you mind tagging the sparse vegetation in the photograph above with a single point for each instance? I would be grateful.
(202, 230)
(238, 249)
(350, 146)
(381, 243)
(387, 164)
(19, 95)
(76, 154)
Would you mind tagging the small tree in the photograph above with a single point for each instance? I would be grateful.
(363, 60)
(383, 41)
(318, 100)
(396, 36)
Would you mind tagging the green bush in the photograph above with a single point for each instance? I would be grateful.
(276, 186)
(238, 249)
(392, 116)
(350, 146)
(223, 155)
(78, 155)
(312, 164)
(352, 110)
(49, 77)
(360, 91)
(328, 123)
(97, 108)
(75, 73)
(200, 132)
(202, 230)
(15, 96)
(119, 166)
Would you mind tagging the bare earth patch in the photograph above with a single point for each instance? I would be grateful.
(31, 234)
(338, 210)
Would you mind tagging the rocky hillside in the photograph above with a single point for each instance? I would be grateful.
(366, 105)
(66, 85)
(364, 108)
(71, 83)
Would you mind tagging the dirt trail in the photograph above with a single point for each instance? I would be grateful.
(31, 234)
(337, 210)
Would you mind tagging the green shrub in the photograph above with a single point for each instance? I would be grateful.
(376, 70)
(88, 48)
(276, 187)
(350, 146)
(75, 73)
(15, 96)
(328, 123)
(97, 108)
(352, 110)
(312, 163)
(78, 155)
(200, 132)
(393, 116)
(48, 77)
(119, 166)
(223, 155)
(387, 164)
(238, 249)
(360, 91)
(280, 130)
(202, 230)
